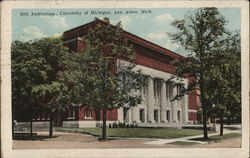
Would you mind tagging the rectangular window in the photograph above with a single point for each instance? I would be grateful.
(179, 116)
(157, 88)
(168, 116)
(88, 114)
(179, 88)
(156, 115)
(43, 116)
(71, 113)
(168, 91)
(142, 115)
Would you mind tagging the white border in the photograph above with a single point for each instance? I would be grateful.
(6, 140)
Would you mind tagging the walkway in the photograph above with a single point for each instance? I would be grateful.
(187, 139)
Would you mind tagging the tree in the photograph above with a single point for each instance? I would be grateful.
(225, 84)
(110, 79)
(200, 33)
(24, 77)
(39, 75)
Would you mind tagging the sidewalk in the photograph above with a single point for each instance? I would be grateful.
(187, 139)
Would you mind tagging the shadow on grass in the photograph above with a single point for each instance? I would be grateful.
(182, 143)
(218, 138)
(207, 140)
(27, 136)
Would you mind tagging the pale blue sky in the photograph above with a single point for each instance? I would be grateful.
(150, 26)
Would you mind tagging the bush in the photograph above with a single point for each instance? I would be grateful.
(121, 125)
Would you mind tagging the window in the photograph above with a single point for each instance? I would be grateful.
(157, 88)
(71, 113)
(179, 116)
(43, 116)
(142, 115)
(88, 114)
(168, 90)
(35, 116)
(179, 88)
(168, 116)
(156, 115)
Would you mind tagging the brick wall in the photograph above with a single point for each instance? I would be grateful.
(111, 114)
(192, 116)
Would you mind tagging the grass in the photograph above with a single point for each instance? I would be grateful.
(218, 138)
(26, 136)
(182, 143)
(143, 132)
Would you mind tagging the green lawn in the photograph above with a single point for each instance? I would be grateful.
(26, 136)
(183, 143)
(144, 132)
(218, 138)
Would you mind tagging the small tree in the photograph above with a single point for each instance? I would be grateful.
(110, 80)
(199, 33)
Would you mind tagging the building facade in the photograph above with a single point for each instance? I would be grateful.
(157, 106)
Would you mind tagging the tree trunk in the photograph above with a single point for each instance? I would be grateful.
(51, 124)
(204, 120)
(204, 108)
(221, 123)
(31, 127)
(31, 123)
(125, 110)
(104, 125)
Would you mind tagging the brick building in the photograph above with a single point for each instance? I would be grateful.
(156, 107)
(154, 62)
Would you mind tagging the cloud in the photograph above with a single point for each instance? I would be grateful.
(157, 36)
(175, 47)
(31, 33)
(171, 45)
(57, 35)
(163, 18)
(56, 21)
(125, 20)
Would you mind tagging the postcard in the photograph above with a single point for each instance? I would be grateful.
(125, 79)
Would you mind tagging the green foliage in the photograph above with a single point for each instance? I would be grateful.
(225, 74)
(199, 31)
(214, 63)
(110, 81)
(39, 74)
(107, 64)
